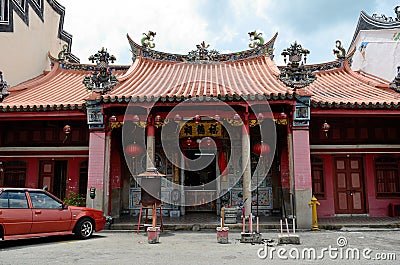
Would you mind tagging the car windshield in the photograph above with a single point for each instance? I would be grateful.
(44, 201)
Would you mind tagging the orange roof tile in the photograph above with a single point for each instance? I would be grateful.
(255, 76)
(147, 78)
(343, 86)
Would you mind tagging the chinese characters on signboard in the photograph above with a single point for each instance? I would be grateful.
(203, 129)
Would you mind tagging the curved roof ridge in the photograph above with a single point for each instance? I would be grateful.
(131, 70)
(366, 22)
(272, 66)
(368, 80)
(265, 49)
(36, 80)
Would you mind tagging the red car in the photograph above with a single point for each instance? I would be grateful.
(26, 212)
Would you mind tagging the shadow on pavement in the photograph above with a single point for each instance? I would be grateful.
(26, 242)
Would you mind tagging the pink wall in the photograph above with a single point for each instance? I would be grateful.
(376, 206)
(327, 207)
(73, 174)
(32, 174)
(301, 159)
(96, 160)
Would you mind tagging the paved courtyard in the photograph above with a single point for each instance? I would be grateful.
(348, 246)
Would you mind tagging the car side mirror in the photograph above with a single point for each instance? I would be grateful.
(64, 206)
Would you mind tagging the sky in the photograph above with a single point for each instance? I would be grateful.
(223, 24)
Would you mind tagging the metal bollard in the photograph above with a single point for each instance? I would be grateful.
(313, 203)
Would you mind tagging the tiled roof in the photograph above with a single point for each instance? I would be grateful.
(343, 87)
(58, 89)
(149, 80)
(161, 79)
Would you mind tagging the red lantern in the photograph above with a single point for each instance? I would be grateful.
(188, 141)
(261, 148)
(67, 129)
(207, 143)
(196, 118)
(133, 150)
(177, 118)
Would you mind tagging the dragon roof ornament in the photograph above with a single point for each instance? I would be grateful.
(202, 54)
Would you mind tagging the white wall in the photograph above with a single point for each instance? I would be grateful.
(23, 52)
(381, 55)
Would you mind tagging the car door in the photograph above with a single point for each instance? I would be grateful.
(15, 214)
(48, 214)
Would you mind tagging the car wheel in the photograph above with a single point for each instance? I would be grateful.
(84, 229)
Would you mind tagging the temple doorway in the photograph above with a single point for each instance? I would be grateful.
(200, 185)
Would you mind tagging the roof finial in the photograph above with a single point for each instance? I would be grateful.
(102, 79)
(147, 40)
(340, 52)
(3, 88)
(62, 55)
(395, 84)
(256, 39)
(202, 54)
(295, 74)
(397, 11)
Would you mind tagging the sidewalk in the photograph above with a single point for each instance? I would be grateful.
(209, 221)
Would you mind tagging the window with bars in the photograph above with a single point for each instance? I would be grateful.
(317, 174)
(387, 177)
(14, 174)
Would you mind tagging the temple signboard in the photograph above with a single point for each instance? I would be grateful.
(201, 129)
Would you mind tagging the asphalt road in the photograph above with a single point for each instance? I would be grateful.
(111, 247)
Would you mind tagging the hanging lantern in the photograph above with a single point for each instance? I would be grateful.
(67, 129)
(197, 118)
(282, 118)
(260, 117)
(261, 149)
(113, 118)
(133, 150)
(325, 128)
(236, 117)
(207, 143)
(177, 118)
(135, 118)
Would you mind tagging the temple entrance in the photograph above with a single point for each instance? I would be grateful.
(196, 190)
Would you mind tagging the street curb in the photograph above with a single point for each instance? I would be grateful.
(238, 227)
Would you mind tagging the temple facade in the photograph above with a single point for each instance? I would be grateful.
(222, 129)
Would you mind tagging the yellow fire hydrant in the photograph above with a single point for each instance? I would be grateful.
(313, 203)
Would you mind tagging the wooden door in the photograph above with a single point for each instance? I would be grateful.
(46, 177)
(349, 185)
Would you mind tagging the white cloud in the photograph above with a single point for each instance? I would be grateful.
(182, 24)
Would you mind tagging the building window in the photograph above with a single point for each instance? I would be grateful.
(387, 177)
(15, 174)
(317, 174)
